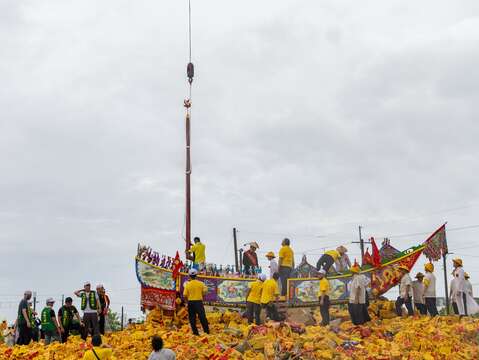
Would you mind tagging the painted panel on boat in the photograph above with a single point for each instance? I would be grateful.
(151, 276)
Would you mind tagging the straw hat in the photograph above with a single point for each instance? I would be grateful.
(429, 267)
(254, 244)
(466, 275)
(403, 268)
(457, 261)
(419, 275)
(270, 254)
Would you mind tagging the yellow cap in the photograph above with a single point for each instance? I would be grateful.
(457, 261)
(466, 275)
(270, 254)
(429, 267)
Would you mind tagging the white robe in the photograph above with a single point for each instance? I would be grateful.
(458, 295)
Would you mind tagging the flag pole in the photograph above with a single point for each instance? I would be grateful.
(445, 283)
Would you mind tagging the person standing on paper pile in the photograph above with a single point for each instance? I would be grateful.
(452, 292)
(66, 316)
(286, 264)
(24, 317)
(104, 307)
(430, 289)
(193, 292)
(250, 259)
(466, 304)
(50, 326)
(199, 252)
(418, 294)
(253, 299)
(269, 297)
(90, 305)
(323, 296)
(405, 292)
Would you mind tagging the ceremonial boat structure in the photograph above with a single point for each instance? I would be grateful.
(161, 284)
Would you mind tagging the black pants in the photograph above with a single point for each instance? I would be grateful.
(399, 303)
(431, 306)
(67, 329)
(284, 272)
(25, 335)
(455, 308)
(272, 312)
(324, 310)
(101, 323)
(359, 313)
(421, 308)
(253, 309)
(325, 262)
(90, 320)
(196, 307)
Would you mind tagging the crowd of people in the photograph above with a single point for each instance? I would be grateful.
(57, 326)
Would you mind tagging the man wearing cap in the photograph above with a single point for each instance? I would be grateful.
(250, 259)
(405, 292)
(24, 317)
(90, 305)
(418, 294)
(104, 307)
(193, 293)
(430, 289)
(269, 297)
(50, 325)
(331, 257)
(199, 252)
(273, 264)
(323, 296)
(286, 264)
(66, 316)
(358, 296)
(253, 299)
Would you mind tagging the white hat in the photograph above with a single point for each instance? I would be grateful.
(50, 300)
(27, 292)
(193, 272)
(262, 277)
(99, 286)
(322, 271)
(86, 283)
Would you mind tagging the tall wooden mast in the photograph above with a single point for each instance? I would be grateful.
(190, 72)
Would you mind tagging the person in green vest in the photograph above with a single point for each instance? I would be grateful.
(90, 305)
(34, 322)
(49, 323)
(67, 315)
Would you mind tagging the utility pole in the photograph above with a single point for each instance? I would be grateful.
(361, 242)
(34, 301)
(63, 300)
(241, 259)
(236, 250)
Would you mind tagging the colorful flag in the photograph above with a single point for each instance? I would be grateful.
(367, 259)
(436, 244)
(177, 265)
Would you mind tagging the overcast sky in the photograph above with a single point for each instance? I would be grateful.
(309, 118)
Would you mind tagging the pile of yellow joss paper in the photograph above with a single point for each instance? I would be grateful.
(385, 337)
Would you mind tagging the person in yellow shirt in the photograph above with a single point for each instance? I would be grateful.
(269, 297)
(323, 296)
(98, 352)
(331, 257)
(193, 293)
(286, 264)
(253, 299)
(199, 252)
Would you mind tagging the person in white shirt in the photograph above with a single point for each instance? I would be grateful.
(459, 295)
(418, 294)
(273, 264)
(468, 284)
(452, 291)
(405, 292)
(358, 297)
(430, 289)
